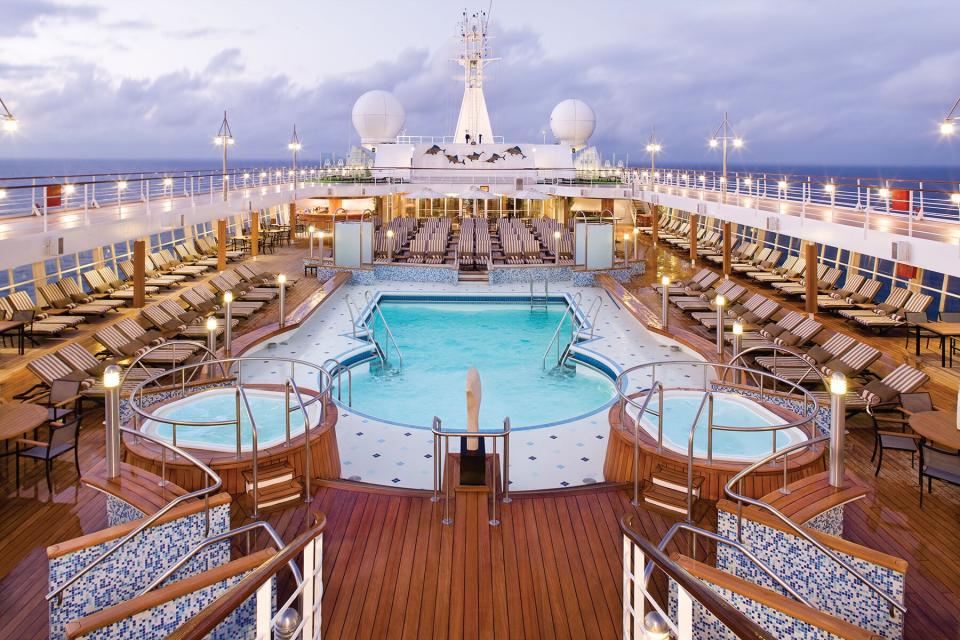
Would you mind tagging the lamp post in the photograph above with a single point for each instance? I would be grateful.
(636, 252)
(838, 425)
(948, 126)
(111, 383)
(389, 245)
(212, 341)
(653, 148)
(224, 139)
(320, 235)
(655, 627)
(295, 146)
(723, 135)
(282, 281)
(227, 321)
(310, 231)
(10, 123)
(737, 336)
(720, 301)
(665, 290)
(626, 240)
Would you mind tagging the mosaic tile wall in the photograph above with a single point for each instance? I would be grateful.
(830, 521)
(416, 274)
(823, 411)
(134, 565)
(162, 620)
(119, 512)
(588, 278)
(500, 274)
(707, 627)
(824, 583)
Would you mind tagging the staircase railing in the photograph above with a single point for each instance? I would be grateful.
(571, 312)
(740, 498)
(304, 622)
(205, 493)
(441, 453)
(593, 310)
(636, 551)
(337, 372)
(221, 537)
(375, 308)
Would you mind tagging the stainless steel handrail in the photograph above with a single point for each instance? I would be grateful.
(375, 307)
(220, 537)
(439, 477)
(698, 531)
(595, 305)
(57, 592)
(338, 369)
(253, 447)
(706, 400)
(570, 311)
(307, 450)
(737, 480)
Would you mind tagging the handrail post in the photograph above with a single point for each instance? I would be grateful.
(111, 382)
(838, 409)
(506, 461)
(437, 471)
(447, 520)
(493, 522)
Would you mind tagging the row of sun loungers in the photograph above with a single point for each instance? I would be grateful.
(473, 247)
(518, 242)
(547, 230)
(429, 245)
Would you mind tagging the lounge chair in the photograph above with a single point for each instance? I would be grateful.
(54, 298)
(799, 335)
(159, 281)
(117, 283)
(732, 294)
(864, 296)
(854, 362)
(917, 303)
(71, 288)
(825, 282)
(680, 285)
(122, 346)
(260, 277)
(895, 301)
(257, 294)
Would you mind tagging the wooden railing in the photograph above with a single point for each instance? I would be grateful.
(306, 618)
(636, 551)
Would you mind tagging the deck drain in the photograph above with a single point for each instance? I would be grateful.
(589, 481)
(674, 348)
(354, 478)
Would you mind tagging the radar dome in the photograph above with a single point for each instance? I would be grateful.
(572, 122)
(378, 117)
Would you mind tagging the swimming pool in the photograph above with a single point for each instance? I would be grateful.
(729, 409)
(505, 341)
(220, 404)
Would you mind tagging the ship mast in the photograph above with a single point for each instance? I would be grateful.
(474, 56)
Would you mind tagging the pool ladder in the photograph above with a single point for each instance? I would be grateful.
(563, 351)
(537, 301)
(391, 341)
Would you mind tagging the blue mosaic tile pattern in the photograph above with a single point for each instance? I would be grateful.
(446, 275)
(162, 620)
(707, 627)
(119, 512)
(588, 278)
(827, 585)
(822, 420)
(358, 276)
(134, 565)
(830, 521)
(505, 274)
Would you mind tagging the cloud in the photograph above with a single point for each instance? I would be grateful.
(22, 16)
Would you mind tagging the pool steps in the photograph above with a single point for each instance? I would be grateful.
(667, 489)
(277, 485)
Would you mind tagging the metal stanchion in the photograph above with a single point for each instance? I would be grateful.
(227, 321)
(212, 342)
(282, 281)
(310, 231)
(737, 336)
(111, 383)
(838, 426)
(720, 301)
(389, 245)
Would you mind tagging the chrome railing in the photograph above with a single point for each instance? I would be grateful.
(209, 488)
(810, 408)
(374, 305)
(741, 499)
(569, 312)
(593, 310)
(337, 372)
(222, 537)
(441, 454)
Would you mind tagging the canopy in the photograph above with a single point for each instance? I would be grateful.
(424, 194)
(477, 194)
(529, 194)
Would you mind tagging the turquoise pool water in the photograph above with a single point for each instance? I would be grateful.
(214, 405)
(505, 342)
(729, 410)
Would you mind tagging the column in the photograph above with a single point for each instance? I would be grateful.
(254, 233)
(139, 273)
(810, 276)
(694, 224)
(727, 241)
(291, 221)
(221, 244)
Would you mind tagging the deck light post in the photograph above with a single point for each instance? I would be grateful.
(310, 231)
(282, 282)
(10, 123)
(320, 235)
(665, 290)
(636, 251)
(389, 245)
(212, 340)
(227, 321)
(224, 139)
(295, 146)
(838, 425)
(626, 248)
(111, 383)
(653, 148)
(655, 627)
(720, 138)
(720, 301)
(948, 126)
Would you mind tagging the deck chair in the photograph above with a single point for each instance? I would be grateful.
(116, 283)
(222, 285)
(213, 297)
(935, 463)
(71, 289)
(707, 294)
(825, 282)
(799, 335)
(893, 432)
(834, 347)
(751, 263)
(159, 281)
(783, 275)
(895, 301)
(769, 265)
(21, 301)
(187, 257)
(260, 277)
(208, 248)
(62, 438)
(54, 298)
(178, 267)
(917, 303)
(854, 362)
(731, 294)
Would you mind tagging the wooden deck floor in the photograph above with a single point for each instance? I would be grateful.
(550, 570)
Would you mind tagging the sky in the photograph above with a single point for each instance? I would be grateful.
(810, 82)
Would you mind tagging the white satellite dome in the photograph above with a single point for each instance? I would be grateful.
(572, 122)
(378, 117)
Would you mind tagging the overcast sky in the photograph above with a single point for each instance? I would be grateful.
(805, 82)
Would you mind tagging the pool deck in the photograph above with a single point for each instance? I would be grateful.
(562, 455)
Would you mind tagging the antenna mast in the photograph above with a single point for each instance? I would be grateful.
(474, 57)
